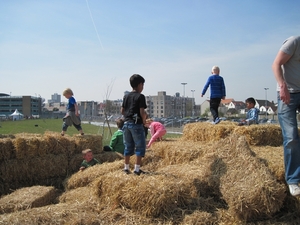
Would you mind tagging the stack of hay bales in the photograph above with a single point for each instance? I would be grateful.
(216, 178)
(30, 159)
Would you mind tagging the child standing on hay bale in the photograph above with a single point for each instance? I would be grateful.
(157, 130)
(133, 110)
(89, 159)
(286, 69)
(72, 116)
(217, 92)
(252, 114)
(116, 143)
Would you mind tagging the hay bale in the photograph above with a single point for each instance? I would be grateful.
(206, 132)
(248, 186)
(56, 144)
(265, 135)
(55, 215)
(272, 157)
(29, 197)
(85, 177)
(80, 196)
(255, 134)
(31, 170)
(132, 192)
(177, 152)
(200, 218)
(93, 142)
(6, 149)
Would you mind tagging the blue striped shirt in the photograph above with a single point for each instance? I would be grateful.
(217, 86)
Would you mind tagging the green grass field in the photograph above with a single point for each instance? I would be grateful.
(40, 126)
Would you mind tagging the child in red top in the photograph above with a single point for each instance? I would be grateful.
(157, 130)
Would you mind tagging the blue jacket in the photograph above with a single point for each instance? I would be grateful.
(217, 86)
(252, 115)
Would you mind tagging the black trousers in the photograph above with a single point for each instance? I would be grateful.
(214, 105)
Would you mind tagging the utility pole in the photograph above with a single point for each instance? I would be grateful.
(266, 89)
(193, 103)
(183, 102)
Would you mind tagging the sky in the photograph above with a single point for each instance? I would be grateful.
(94, 46)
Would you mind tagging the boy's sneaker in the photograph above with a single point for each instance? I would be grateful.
(126, 171)
(294, 189)
(217, 120)
(139, 173)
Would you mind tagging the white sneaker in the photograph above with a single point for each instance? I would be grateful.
(294, 189)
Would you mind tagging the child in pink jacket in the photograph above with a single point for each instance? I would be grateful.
(157, 130)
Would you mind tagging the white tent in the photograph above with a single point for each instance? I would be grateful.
(17, 115)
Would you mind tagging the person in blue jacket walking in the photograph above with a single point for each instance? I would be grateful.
(217, 92)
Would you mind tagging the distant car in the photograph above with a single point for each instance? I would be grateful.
(264, 120)
(271, 121)
(236, 120)
(202, 119)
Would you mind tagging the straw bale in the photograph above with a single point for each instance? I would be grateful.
(272, 157)
(34, 168)
(6, 149)
(248, 186)
(199, 177)
(93, 142)
(85, 177)
(206, 132)
(29, 197)
(64, 213)
(56, 214)
(261, 134)
(7, 136)
(56, 144)
(178, 152)
(109, 156)
(79, 196)
(133, 192)
(200, 218)
(255, 134)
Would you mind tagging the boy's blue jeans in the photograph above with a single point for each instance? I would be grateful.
(134, 139)
(287, 118)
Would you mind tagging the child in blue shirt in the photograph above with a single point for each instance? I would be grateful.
(217, 92)
(252, 114)
(72, 116)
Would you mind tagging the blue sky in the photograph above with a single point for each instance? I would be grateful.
(94, 46)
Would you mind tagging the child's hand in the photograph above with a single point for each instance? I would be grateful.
(82, 168)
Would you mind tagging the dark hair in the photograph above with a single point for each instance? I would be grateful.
(135, 80)
(120, 123)
(251, 100)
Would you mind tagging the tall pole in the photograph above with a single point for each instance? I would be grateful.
(9, 103)
(266, 89)
(183, 102)
(193, 103)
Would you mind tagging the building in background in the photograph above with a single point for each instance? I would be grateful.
(55, 98)
(29, 106)
(163, 105)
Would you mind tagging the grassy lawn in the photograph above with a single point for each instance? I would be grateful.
(40, 126)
